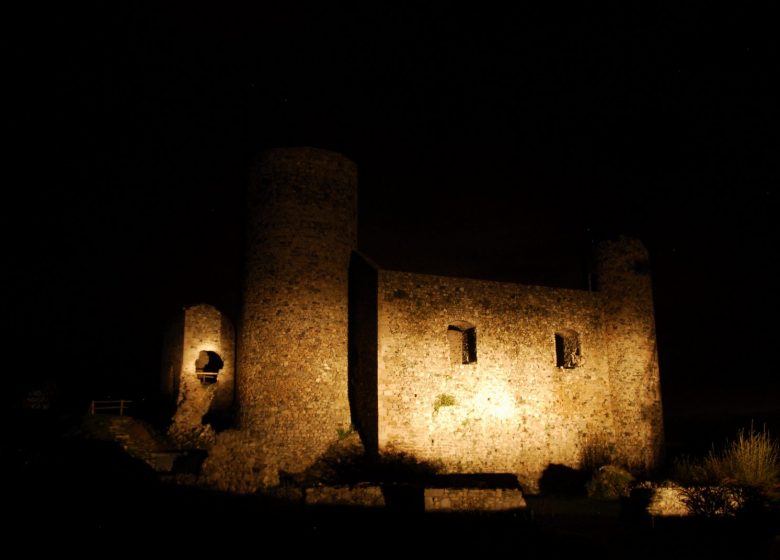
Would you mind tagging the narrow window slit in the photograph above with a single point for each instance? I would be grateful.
(462, 338)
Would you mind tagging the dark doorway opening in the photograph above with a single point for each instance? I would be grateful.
(207, 366)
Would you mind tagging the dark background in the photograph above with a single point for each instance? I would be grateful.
(491, 142)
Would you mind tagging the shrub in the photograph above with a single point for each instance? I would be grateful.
(752, 459)
(737, 481)
(714, 501)
(609, 483)
(352, 465)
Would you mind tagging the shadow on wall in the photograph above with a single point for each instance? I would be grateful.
(562, 480)
(404, 498)
(363, 287)
(220, 419)
(349, 464)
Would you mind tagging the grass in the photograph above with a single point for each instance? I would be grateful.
(609, 482)
(751, 460)
(597, 452)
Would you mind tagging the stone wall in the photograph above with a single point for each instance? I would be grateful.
(237, 462)
(473, 499)
(365, 495)
(435, 499)
(292, 346)
(514, 409)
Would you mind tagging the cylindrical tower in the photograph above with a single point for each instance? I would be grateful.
(292, 346)
(623, 279)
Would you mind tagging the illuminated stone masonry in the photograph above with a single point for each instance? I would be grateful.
(530, 382)
(471, 375)
(198, 371)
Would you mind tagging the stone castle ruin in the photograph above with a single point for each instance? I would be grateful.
(477, 376)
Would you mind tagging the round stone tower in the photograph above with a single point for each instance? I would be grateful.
(624, 284)
(292, 345)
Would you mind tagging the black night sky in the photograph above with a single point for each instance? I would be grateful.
(491, 142)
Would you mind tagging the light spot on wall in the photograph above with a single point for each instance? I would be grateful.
(462, 338)
(207, 366)
(494, 403)
(567, 349)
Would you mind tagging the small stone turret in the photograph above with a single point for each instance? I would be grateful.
(198, 371)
